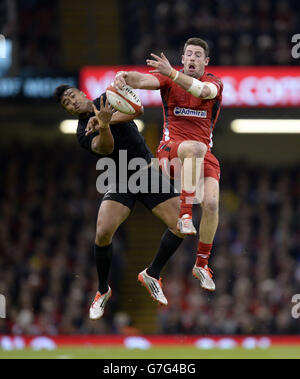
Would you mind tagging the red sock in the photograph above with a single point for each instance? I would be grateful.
(203, 254)
(186, 203)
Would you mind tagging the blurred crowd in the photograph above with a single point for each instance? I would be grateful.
(238, 32)
(38, 37)
(8, 11)
(255, 259)
(48, 210)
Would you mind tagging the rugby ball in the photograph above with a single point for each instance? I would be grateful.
(124, 100)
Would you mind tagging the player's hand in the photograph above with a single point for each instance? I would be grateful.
(120, 79)
(105, 114)
(92, 126)
(161, 64)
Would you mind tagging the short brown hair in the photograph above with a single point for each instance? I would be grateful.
(197, 42)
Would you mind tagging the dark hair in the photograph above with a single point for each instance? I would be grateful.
(197, 42)
(59, 91)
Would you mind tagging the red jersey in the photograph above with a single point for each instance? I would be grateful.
(187, 117)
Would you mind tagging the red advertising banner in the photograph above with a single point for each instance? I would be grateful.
(146, 342)
(243, 86)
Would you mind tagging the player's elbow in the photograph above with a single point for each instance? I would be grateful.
(103, 149)
(209, 91)
(205, 93)
(203, 90)
(107, 150)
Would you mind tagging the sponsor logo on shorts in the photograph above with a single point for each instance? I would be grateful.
(189, 112)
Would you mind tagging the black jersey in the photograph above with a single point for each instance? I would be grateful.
(126, 137)
(150, 185)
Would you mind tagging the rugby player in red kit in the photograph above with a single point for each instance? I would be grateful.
(191, 102)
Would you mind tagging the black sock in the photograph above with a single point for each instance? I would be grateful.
(103, 256)
(168, 245)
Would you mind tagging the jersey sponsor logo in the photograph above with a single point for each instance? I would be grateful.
(189, 112)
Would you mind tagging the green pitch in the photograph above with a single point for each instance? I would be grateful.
(286, 352)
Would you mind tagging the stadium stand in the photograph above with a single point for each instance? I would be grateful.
(48, 210)
(239, 32)
(49, 203)
(38, 37)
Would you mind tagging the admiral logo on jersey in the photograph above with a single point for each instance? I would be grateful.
(189, 112)
(187, 117)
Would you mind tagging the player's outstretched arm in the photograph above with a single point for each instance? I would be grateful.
(136, 80)
(104, 142)
(203, 90)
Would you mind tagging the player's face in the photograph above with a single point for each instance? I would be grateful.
(75, 102)
(194, 61)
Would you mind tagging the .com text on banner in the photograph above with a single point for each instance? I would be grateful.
(243, 86)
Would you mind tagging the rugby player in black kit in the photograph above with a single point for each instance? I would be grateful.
(104, 132)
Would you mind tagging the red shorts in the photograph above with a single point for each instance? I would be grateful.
(167, 151)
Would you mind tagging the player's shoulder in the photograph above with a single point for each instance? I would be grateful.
(212, 77)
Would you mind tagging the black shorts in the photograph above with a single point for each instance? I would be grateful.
(158, 189)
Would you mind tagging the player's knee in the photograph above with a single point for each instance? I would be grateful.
(211, 206)
(103, 236)
(175, 231)
(172, 225)
(190, 149)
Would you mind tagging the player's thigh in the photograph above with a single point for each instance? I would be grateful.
(110, 216)
(168, 212)
(169, 162)
(211, 194)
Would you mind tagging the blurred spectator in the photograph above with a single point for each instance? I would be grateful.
(124, 325)
(8, 12)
